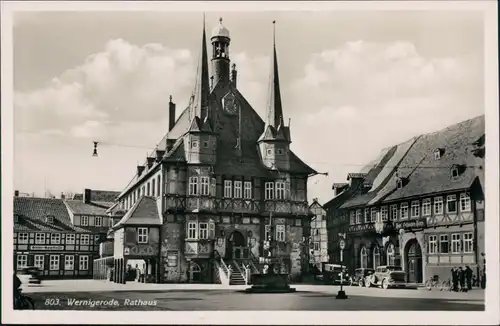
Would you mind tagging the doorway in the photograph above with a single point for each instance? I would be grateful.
(236, 246)
(414, 262)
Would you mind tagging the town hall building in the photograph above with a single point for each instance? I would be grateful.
(222, 178)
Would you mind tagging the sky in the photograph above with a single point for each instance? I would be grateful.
(352, 83)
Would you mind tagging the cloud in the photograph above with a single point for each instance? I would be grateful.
(362, 97)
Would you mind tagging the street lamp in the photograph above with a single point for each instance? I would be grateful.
(341, 294)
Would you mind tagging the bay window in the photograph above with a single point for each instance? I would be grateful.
(213, 186)
(203, 228)
(192, 230)
(193, 186)
(205, 186)
(280, 190)
(228, 188)
(248, 190)
(269, 190)
(237, 189)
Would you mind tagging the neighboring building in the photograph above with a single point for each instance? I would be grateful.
(428, 197)
(49, 235)
(319, 240)
(220, 177)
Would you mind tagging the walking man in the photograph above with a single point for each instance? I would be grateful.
(468, 277)
(454, 279)
(461, 274)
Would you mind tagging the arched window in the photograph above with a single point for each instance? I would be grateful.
(363, 258)
(376, 257)
(391, 258)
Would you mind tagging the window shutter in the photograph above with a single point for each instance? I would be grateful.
(211, 230)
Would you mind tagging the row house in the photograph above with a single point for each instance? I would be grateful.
(421, 206)
(318, 252)
(222, 179)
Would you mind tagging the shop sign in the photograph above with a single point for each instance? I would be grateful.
(361, 228)
(50, 248)
(411, 224)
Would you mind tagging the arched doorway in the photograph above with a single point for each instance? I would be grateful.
(376, 256)
(390, 255)
(363, 258)
(236, 246)
(195, 272)
(414, 262)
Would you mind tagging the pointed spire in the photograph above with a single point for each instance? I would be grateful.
(202, 88)
(274, 109)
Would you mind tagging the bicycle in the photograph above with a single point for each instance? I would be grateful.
(22, 302)
(433, 282)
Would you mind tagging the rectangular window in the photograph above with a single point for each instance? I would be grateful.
(464, 202)
(298, 222)
(205, 186)
(193, 186)
(269, 190)
(280, 190)
(359, 216)
(69, 262)
(22, 238)
(153, 187)
(433, 245)
(40, 238)
(394, 213)
(404, 211)
(39, 260)
(383, 213)
(84, 239)
(373, 218)
(213, 185)
(228, 188)
(147, 189)
(468, 243)
(426, 207)
(158, 186)
(22, 261)
(55, 238)
(451, 204)
(415, 209)
(70, 239)
(84, 220)
(142, 235)
(192, 228)
(316, 246)
(352, 218)
(280, 233)
(84, 263)
(54, 262)
(203, 230)
(237, 189)
(367, 215)
(248, 190)
(98, 221)
(443, 244)
(438, 205)
(455, 243)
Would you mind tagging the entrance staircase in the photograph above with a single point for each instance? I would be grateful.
(237, 278)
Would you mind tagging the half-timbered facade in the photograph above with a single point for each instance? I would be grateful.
(220, 176)
(427, 196)
(319, 237)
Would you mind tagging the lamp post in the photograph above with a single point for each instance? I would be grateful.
(341, 294)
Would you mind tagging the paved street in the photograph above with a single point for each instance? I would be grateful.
(135, 296)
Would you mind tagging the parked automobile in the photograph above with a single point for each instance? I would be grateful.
(360, 275)
(335, 274)
(387, 276)
(30, 275)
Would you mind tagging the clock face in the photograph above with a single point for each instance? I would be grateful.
(230, 104)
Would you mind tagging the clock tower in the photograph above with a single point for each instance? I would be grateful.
(220, 54)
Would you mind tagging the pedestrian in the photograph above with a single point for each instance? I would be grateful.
(461, 274)
(454, 279)
(468, 277)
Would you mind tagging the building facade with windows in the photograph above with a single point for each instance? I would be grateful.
(223, 179)
(318, 253)
(421, 205)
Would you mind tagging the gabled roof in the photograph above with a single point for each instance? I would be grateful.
(92, 208)
(144, 212)
(427, 175)
(32, 212)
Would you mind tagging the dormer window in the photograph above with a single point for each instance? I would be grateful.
(49, 219)
(455, 172)
(399, 183)
(438, 153)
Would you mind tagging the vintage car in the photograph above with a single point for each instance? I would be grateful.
(386, 277)
(360, 276)
(29, 275)
(335, 274)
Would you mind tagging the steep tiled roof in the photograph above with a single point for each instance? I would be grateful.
(92, 208)
(32, 212)
(145, 212)
(427, 175)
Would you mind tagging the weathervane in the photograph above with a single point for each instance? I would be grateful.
(95, 149)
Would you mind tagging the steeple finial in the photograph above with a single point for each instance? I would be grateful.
(220, 20)
(274, 33)
(274, 109)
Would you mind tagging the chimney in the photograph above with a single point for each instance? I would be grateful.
(140, 168)
(171, 114)
(63, 196)
(234, 74)
(338, 188)
(151, 160)
(87, 196)
(170, 144)
(159, 155)
(16, 193)
(355, 179)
